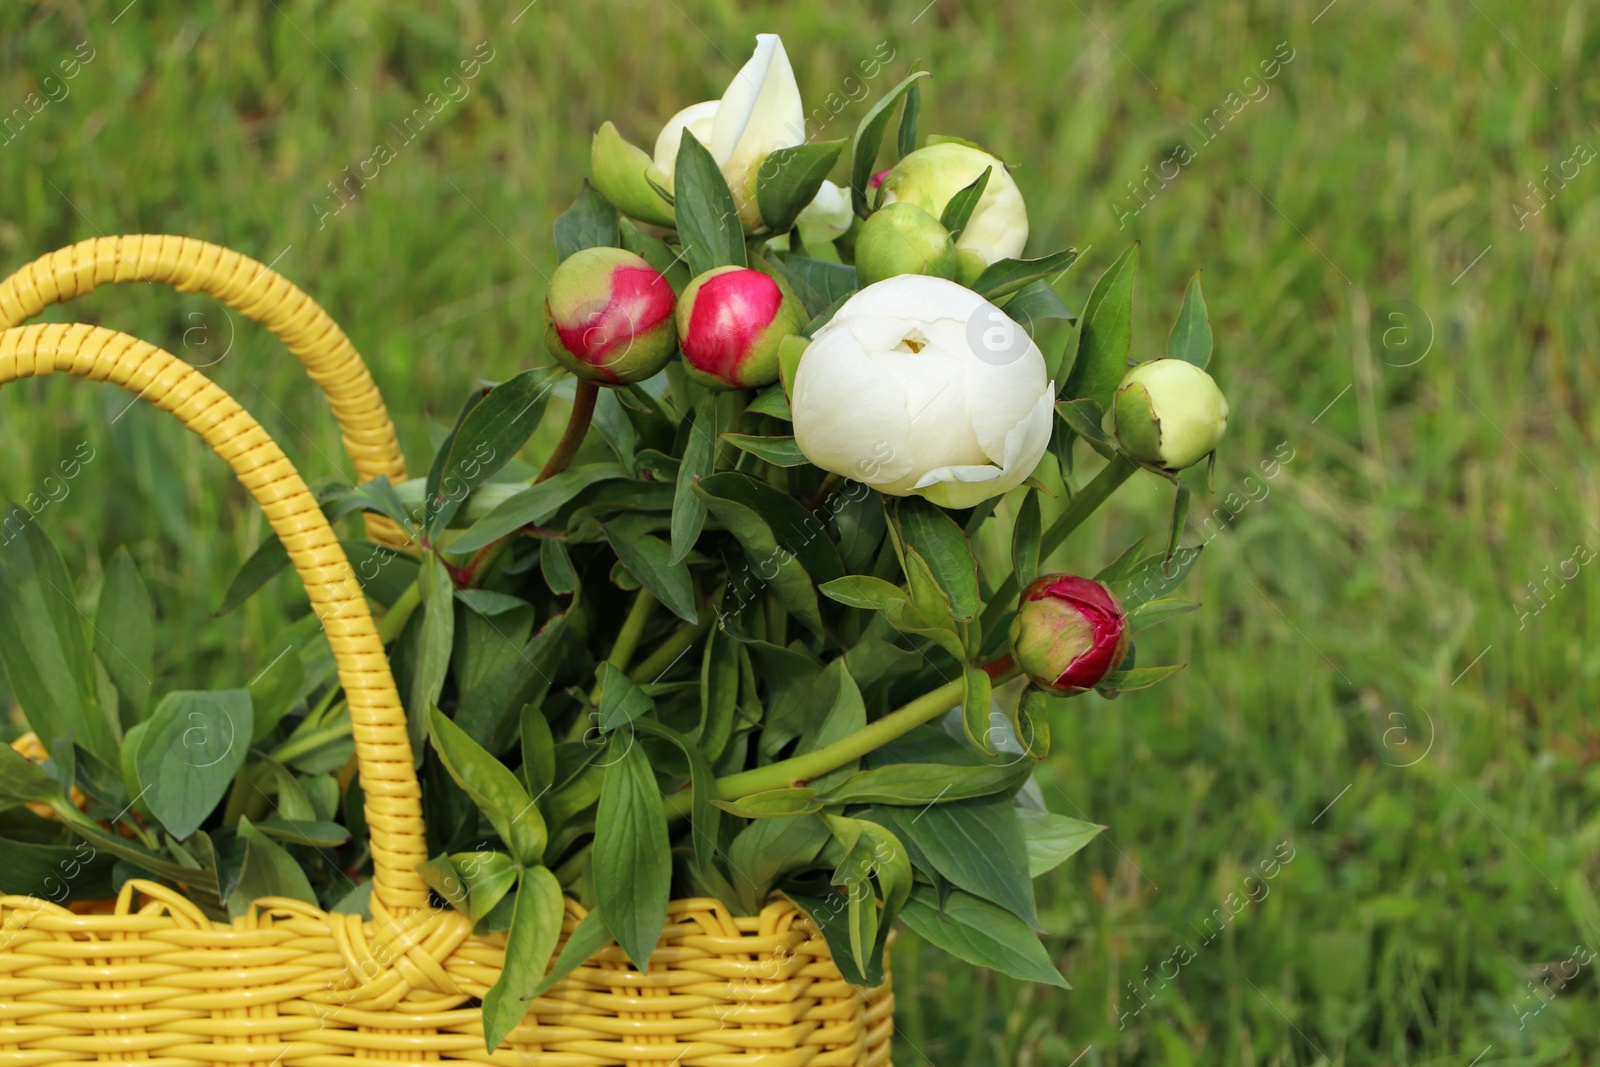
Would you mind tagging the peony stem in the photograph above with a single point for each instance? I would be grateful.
(394, 620)
(1082, 505)
(668, 652)
(577, 426)
(628, 637)
(924, 709)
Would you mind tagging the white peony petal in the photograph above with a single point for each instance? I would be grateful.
(1003, 386)
(761, 111)
(827, 216)
(850, 413)
(965, 486)
(698, 118)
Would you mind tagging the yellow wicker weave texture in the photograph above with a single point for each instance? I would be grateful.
(254, 290)
(154, 982)
(393, 799)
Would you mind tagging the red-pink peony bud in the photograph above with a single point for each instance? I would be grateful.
(608, 317)
(877, 179)
(1069, 633)
(731, 321)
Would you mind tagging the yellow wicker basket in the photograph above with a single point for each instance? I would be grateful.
(153, 981)
(254, 290)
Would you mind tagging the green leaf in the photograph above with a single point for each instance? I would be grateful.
(1180, 512)
(933, 536)
(383, 572)
(1051, 838)
(719, 692)
(268, 870)
(1084, 416)
(441, 876)
(649, 559)
(1025, 537)
(555, 566)
(959, 209)
(917, 784)
(771, 401)
(1105, 334)
(23, 781)
(980, 933)
(655, 252)
(488, 877)
(590, 936)
(434, 490)
(264, 564)
(977, 704)
(788, 180)
(492, 787)
(591, 222)
(54, 872)
(699, 460)
(621, 701)
(906, 141)
(1137, 678)
(1153, 577)
(770, 803)
(865, 591)
(820, 284)
(42, 645)
(530, 942)
(1151, 612)
(1034, 303)
(977, 845)
(1006, 276)
(435, 641)
(316, 834)
(846, 714)
(869, 138)
(1126, 563)
(489, 437)
(194, 744)
(632, 860)
(770, 849)
(708, 221)
(783, 542)
(124, 631)
(538, 751)
(535, 505)
(778, 451)
(1190, 339)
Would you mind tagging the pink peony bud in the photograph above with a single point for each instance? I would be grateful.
(608, 317)
(877, 179)
(1069, 633)
(731, 321)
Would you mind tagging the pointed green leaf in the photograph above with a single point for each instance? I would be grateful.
(1105, 333)
(708, 221)
(492, 787)
(778, 451)
(869, 138)
(488, 438)
(959, 210)
(125, 633)
(1190, 339)
(1025, 536)
(1051, 838)
(588, 938)
(621, 701)
(530, 942)
(980, 933)
(632, 861)
(649, 559)
(1006, 276)
(590, 222)
(699, 460)
(788, 179)
(194, 744)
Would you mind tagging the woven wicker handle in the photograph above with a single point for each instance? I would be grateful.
(378, 722)
(253, 290)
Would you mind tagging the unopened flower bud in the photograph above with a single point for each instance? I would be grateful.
(1069, 633)
(1169, 414)
(731, 321)
(608, 317)
(931, 176)
(903, 239)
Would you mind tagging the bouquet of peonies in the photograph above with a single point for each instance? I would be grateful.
(729, 634)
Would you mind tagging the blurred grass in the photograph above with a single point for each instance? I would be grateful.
(1372, 689)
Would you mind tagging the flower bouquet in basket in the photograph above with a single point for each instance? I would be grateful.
(767, 620)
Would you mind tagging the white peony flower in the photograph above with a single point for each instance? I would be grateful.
(917, 385)
(759, 113)
(929, 177)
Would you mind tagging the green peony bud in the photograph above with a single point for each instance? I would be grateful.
(930, 176)
(620, 171)
(608, 317)
(903, 239)
(1168, 413)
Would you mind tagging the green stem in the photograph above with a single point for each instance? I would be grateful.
(667, 653)
(1082, 505)
(577, 426)
(295, 747)
(628, 637)
(394, 620)
(924, 709)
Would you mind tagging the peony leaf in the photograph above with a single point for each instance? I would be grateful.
(788, 179)
(1190, 339)
(591, 222)
(869, 138)
(708, 222)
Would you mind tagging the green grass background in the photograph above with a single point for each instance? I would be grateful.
(1368, 640)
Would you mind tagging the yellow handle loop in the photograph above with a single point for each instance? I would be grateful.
(254, 290)
(378, 722)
